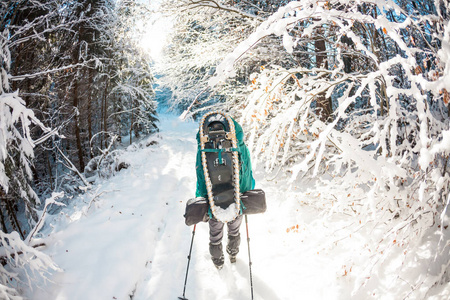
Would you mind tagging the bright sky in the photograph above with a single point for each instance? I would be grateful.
(157, 30)
(156, 36)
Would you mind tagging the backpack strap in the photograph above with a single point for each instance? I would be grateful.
(220, 151)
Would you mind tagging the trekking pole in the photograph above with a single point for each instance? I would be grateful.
(249, 258)
(187, 269)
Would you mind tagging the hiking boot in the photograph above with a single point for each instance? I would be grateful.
(232, 259)
(216, 255)
(233, 247)
(218, 262)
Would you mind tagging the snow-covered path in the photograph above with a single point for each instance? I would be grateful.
(126, 238)
(132, 236)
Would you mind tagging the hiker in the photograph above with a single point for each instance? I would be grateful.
(216, 227)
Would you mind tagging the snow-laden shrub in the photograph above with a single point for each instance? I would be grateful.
(22, 267)
(105, 166)
(384, 150)
(113, 161)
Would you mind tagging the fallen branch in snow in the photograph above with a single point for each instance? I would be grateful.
(92, 201)
(40, 223)
(96, 196)
(3, 258)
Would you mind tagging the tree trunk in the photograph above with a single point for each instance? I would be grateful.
(2, 221)
(104, 115)
(324, 108)
(49, 168)
(2, 217)
(131, 122)
(77, 126)
(347, 58)
(13, 217)
(89, 108)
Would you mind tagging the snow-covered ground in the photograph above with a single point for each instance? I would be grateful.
(126, 239)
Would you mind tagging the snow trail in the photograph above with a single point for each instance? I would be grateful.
(126, 239)
(135, 221)
(131, 241)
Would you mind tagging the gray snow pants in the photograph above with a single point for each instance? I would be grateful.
(216, 235)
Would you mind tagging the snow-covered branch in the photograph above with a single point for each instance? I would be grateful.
(13, 112)
(69, 165)
(55, 70)
(40, 223)
(216, 4)
(22, 266)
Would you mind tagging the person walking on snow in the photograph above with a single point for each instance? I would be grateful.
(216, 228)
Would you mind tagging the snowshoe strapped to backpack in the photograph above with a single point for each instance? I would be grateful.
(220, 161)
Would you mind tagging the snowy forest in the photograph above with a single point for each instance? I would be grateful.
(345, 105)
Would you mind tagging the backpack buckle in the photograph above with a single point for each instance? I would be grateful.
(204, 139)
(230, 136)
